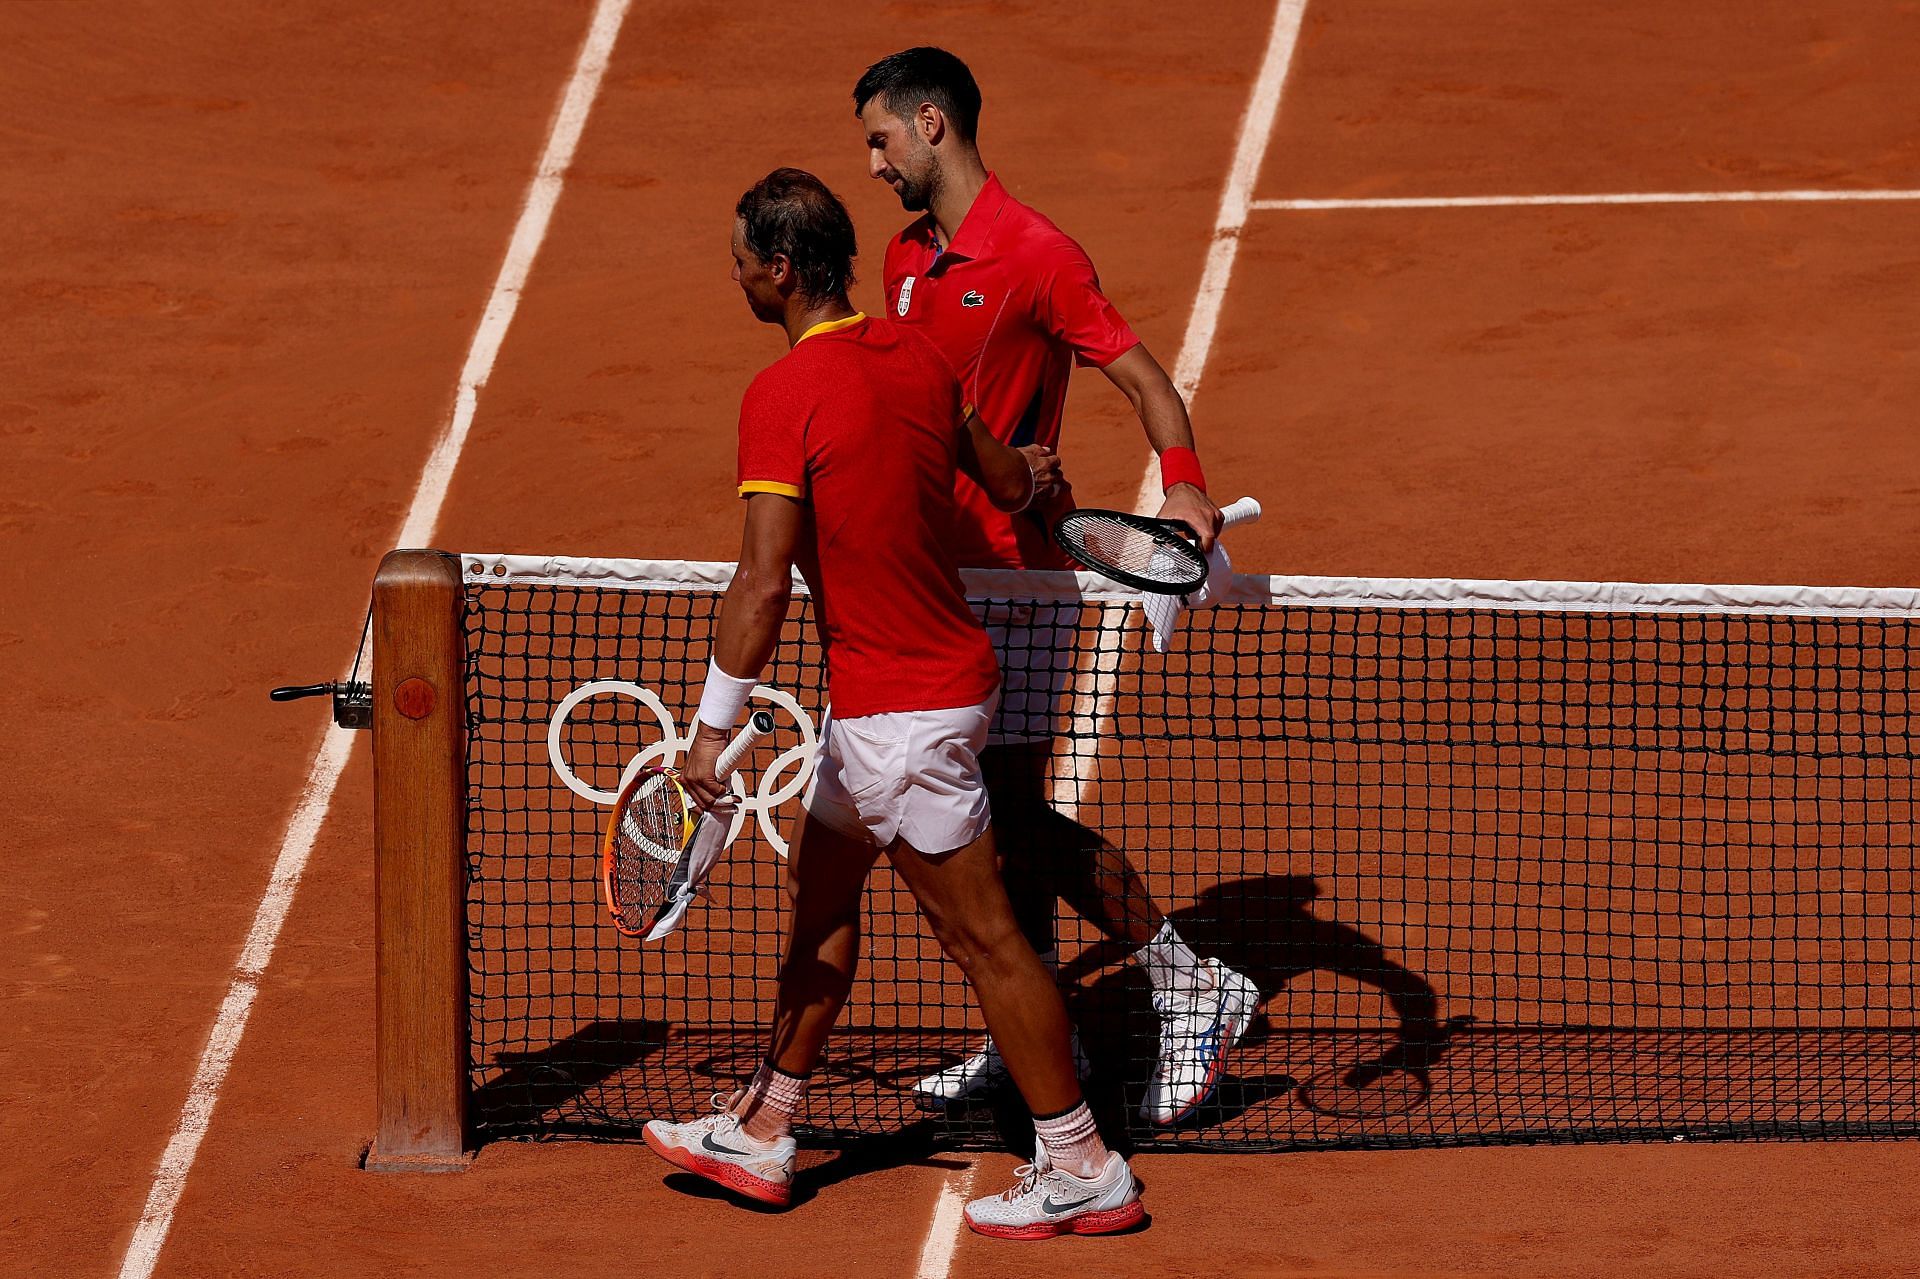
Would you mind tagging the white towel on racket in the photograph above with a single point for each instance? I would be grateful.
(1163, 611)
(709, 842)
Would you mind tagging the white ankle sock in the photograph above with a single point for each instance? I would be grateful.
(773, 1095)
(1170, 962)
(1072, 1142)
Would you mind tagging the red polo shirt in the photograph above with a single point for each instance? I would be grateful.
(1011, 303)
(861, 421)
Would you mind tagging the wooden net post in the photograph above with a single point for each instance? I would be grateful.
(419, 804)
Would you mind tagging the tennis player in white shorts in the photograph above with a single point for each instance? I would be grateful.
(909, 775)
(848, 451)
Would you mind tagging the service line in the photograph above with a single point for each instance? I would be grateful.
(303, 827)
(1631, 197)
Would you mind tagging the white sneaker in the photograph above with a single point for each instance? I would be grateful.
(1197, 1028)
(715, 1148)
(977, 1076)
(1046, 1202)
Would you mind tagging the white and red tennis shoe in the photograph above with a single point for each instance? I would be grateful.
(714, 1147)
(1046, 1202)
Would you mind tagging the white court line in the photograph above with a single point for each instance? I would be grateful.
(943, 1233)
(1249, 153)
(176, 1161)
(1633, 197)
(1094, 696)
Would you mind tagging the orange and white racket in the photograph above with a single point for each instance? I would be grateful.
(653, 824)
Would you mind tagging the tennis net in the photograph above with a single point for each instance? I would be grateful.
(1507, 861)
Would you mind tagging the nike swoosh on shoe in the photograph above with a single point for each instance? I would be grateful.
(1047, 1204)
(708, 1143)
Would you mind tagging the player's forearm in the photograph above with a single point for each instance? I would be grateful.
(1008, 479)
(751, 614)
(1164, 415)
(755, 605)
(1002, 472)
(1155, 399)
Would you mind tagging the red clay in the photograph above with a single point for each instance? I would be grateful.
(246, 249)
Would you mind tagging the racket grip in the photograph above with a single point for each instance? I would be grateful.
(759, 724)
(1244, 511)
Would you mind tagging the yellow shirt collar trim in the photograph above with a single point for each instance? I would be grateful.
(833, 326)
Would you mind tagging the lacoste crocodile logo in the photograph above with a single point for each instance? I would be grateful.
(971, 298)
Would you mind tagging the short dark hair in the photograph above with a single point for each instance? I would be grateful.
(792, 212)
(903, 80)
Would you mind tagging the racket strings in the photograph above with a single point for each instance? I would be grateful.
(646, 844)
(1115, 545)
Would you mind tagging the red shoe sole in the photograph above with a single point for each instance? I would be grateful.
(1087, 1223)
(732, 1176)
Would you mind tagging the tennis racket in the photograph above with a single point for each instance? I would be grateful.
(652, 827)
(1139, 551)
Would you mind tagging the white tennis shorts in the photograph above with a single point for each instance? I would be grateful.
(914, 775)
(1036, 647)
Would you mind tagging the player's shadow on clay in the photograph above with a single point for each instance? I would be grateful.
(1264, 928)
(574, 1085)
(820, 1169)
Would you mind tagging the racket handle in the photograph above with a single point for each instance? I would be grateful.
(759, 724)
(1245, 511)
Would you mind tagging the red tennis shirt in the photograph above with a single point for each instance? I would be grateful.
(1011, 303)
(861, 421)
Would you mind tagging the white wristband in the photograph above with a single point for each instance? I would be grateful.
(724, 697)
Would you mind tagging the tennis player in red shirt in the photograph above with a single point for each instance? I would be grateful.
(1013, 303)
(849, 446)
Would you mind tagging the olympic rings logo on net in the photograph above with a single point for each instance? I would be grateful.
(783, 780)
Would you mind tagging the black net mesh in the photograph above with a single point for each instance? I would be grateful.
(1499, 875)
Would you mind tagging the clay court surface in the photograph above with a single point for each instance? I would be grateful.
(247, 251)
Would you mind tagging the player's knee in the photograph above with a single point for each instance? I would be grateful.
(978, 946)
(957, 937)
